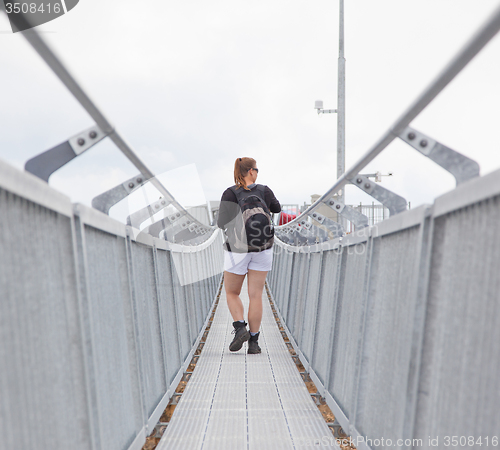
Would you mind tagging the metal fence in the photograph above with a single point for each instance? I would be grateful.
(399, 324)
(96, 325)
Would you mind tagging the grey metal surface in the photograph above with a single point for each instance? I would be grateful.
(349, 322)
(137, 218)
(341, 89)
(406, 322)
(113, 368)
(29, 187)
(236, 400)
(461, 167)
(358, 219)
(310, 311)
(388, 335)
(325, 317)
(147, 324)
(393, 202)
(90, 322)
(461, 354)
(46, 163)
(41, 352)
(103, 202)
(467, 194)
(81, 142)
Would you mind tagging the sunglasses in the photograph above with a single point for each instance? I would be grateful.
(255, 168)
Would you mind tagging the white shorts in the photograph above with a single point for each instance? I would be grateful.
(239, 263)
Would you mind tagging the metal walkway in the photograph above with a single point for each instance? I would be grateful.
(241, 401)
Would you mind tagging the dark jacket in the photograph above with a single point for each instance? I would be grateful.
(229, 207)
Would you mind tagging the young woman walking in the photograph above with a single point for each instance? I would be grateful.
(244, 215)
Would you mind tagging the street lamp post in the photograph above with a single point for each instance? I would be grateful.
(340, 105)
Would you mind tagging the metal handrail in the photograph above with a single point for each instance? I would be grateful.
(486, 32)
(54, 62)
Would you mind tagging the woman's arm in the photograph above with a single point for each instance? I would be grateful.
(272, 201)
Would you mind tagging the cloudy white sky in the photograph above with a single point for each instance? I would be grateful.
(193, 85)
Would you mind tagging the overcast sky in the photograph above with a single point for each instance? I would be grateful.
(193, 85)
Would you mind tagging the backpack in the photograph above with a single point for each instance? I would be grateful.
(254, 228)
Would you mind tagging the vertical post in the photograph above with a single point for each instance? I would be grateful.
(341, 102)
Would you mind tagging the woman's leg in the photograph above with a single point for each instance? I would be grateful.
(233, 283)
(256, 281)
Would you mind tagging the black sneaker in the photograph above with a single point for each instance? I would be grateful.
(241, 335)
(253, 346)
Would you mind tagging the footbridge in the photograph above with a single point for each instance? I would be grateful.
(108, 327)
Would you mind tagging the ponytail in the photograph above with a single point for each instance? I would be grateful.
(241, 168)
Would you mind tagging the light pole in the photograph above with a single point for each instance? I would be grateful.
(340, 104)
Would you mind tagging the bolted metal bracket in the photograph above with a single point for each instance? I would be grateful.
(159, 429)
(156, 228)
(175, 398)
(461, 167)
(329, 229)
(186, 376)
(305, 377)
(106, 200)
(317, 398)
(338, 432)
(178, 227)
(395, 203)
(332, 226)
(46, 163)
(358, 219)
(301, 235)
(137, 218)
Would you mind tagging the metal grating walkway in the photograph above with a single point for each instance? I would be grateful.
(240, 401)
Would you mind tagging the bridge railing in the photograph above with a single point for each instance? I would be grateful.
(315, 224)
(97, 321)
(399, 324)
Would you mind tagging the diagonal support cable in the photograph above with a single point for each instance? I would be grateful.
(54, 62)
(475, 44)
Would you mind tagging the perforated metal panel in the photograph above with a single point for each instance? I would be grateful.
(459, 386)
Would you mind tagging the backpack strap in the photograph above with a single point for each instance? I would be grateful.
(259, 190)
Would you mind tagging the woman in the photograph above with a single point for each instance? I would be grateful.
(244, 215)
